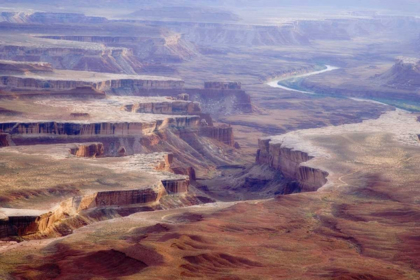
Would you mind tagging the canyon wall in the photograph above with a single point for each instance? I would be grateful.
(223, 134)
(99, 59)
(74, 212)
(116, 139)
(120, 198)
(4, 140)
(88, 150)
(174, 108)
(100, 85)
(214, 101)
(150, 50)
(90, 129)
(222, 85)
(79, 211)
(15, 225)
(288, 162)
(176, 186)
(24, 67)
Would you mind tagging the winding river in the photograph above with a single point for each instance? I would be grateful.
(293, 80)
(277, 83)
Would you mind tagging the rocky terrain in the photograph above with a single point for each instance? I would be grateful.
(210, 139)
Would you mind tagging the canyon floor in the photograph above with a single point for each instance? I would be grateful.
(200, 141)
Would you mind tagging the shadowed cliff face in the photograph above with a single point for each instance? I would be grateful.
(111, 174)
(288, 162)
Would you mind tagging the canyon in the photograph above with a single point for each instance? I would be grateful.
(211, 139)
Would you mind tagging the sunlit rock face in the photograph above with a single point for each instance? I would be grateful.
(88, 150)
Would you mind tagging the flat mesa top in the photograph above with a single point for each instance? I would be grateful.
(70, 75)
(11, 212)
(12, 62)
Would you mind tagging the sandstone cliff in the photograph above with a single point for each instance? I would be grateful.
(223, 134)
(151, 51)
(109, 60)
(102, 84)
(4, 140)
(289, 163)
(15, 225)
(173, 108)
(89, 129)
(24, 67)
(176, 186)
(88, 150)
(79, 211)
(222, 85)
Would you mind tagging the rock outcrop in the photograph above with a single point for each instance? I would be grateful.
(89, 129)
(175, 186)
(120, 198)
(4, 140)
(88, 150)
(221, 98)
(223, 134)
(15, 225)
(21, 82)
(108, 60)
(79, 115)
(289, 163)
(403, 75)
(74, 212)
(151, 51)
(222, 85)
(24, 67)
(173, 108)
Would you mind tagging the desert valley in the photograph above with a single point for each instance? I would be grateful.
(209, 139)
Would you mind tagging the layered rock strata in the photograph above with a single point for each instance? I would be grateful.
(89, 129)
(289, 163)
(21, 82)
(176, 186)
(215, 97)
(173, 108)
(88, 150)
(4, 140)
(15, 225)
(24, 67)
(81, 210)
(223, 134)
(80, 58)
(222, 85)
(117, 139)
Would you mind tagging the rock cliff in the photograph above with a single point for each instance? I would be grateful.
(15, 225)
(49, 18)
(173, 108)
(403, 75)
(289, 163)
(109, 60)
(105, 84)
(222, 85)
(150, 51)
(24, 67)
(90, 129)
(223, 134)
(88, 150)
(81, 210)
(4, 140)
(176, 186)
